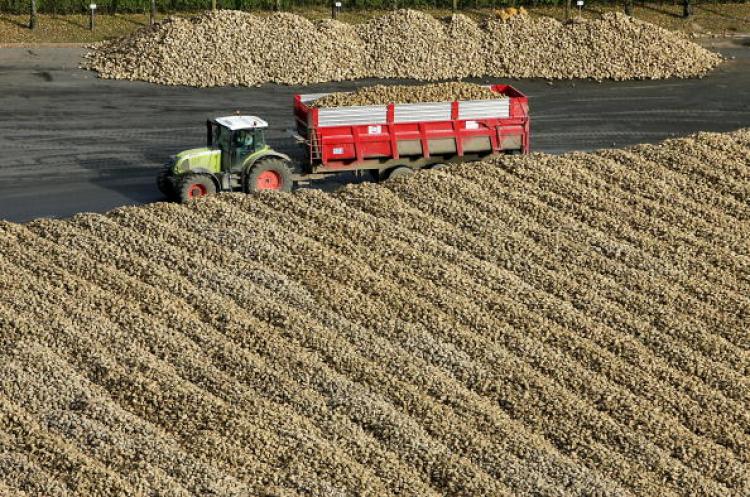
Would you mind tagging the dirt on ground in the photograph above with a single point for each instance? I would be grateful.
(569, 325)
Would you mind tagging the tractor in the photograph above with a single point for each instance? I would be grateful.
(236, 157)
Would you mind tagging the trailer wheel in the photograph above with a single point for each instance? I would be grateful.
(373, 175)
(194, 186)
(269, 174)
(164, 183)
(439, 165)
(400, 172)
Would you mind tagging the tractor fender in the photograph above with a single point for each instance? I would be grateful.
(271, 153)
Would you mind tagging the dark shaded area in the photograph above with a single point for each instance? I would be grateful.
(107, 171)
(44, 75)
(13, 22)
(715, 12)
(76, 143)
(72, 22)
(656, 8)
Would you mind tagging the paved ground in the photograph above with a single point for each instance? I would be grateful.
(71, 142)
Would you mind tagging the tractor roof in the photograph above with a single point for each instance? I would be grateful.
(241, 122)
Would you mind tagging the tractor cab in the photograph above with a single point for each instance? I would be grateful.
(237, 138)
(236, 157)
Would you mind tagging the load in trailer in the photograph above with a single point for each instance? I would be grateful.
(384, 140)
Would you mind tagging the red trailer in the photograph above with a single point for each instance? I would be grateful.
(399, 136)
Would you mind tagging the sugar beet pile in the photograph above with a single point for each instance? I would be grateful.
(532, 326)
(408, 94)
(237, 48)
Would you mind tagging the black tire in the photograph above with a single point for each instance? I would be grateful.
(516, 151)
(269, 174)
(373, 175)
(164, 182)
(439, 165)
(192, 186)
(400, 172)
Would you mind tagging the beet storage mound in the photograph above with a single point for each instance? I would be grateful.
(236, 48)
(538, 325)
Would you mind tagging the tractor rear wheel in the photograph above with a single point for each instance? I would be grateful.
(400, 172)
(269, 174)
(194, 186)
(164, 183)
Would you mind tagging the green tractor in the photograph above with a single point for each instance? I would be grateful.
(235, 157)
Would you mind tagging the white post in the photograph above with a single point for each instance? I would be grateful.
(92, 13)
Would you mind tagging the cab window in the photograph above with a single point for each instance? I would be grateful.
(244, 138)
(221, 137)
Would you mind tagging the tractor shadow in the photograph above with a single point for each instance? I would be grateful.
(134, 182)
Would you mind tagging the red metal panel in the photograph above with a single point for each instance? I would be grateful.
(494, 141)
(340, 151)
(380, 149)
(457, 133)
(423, 140)
(391, 130)
(527, 134)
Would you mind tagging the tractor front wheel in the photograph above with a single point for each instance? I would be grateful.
(194, 186)
(269, 174)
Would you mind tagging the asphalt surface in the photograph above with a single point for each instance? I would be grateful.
(72, 143)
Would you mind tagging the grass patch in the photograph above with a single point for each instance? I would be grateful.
(709, 18)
